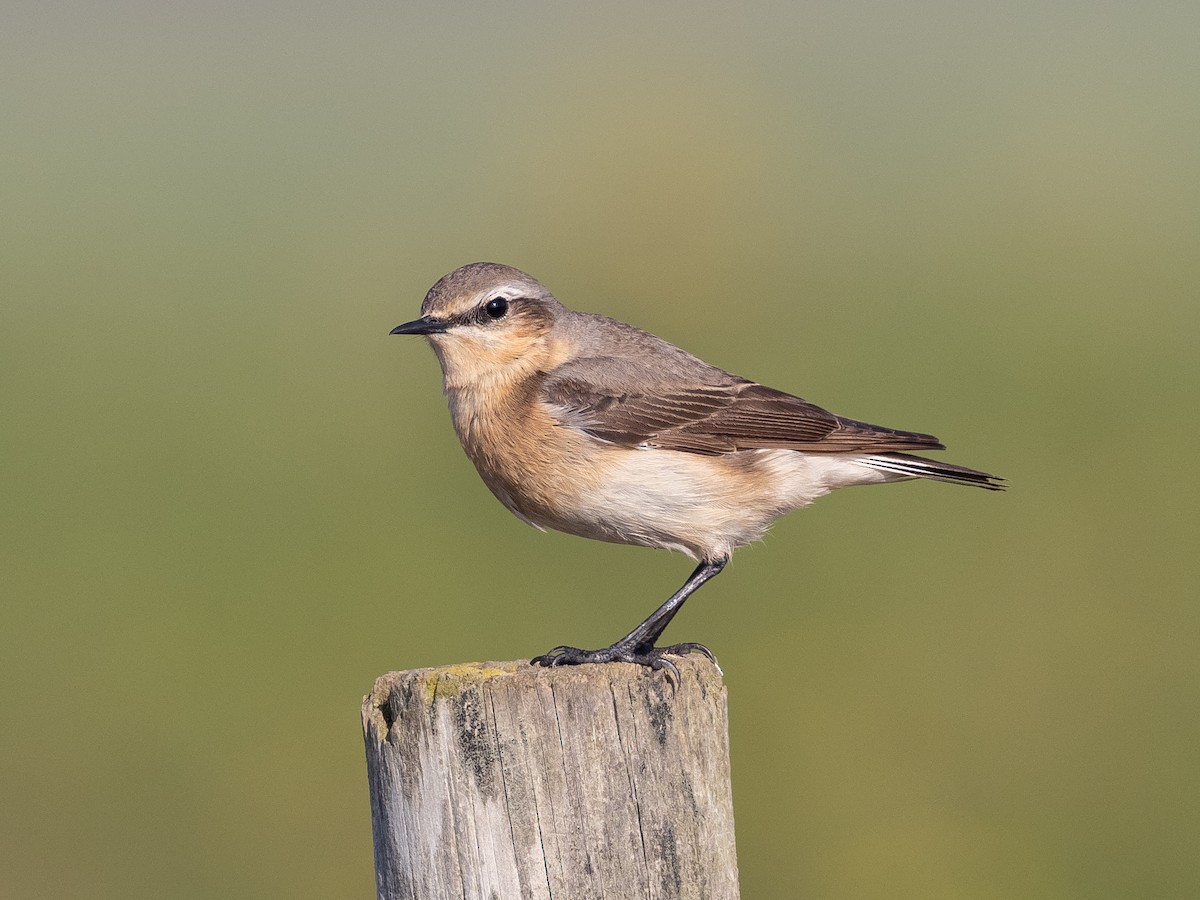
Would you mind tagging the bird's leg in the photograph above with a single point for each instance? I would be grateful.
(638, 646)
(656, 623)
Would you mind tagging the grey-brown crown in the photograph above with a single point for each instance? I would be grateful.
(465, 286)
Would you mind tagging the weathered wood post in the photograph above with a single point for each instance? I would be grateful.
(497, 781)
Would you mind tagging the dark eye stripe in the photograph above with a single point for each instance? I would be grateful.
(479, 315)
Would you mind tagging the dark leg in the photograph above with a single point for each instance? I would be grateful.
(638, 646)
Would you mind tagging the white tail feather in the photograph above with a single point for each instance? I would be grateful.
(920, 467)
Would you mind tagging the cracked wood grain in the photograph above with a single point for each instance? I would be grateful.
(498, 781)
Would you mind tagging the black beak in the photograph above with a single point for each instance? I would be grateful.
(423, 325)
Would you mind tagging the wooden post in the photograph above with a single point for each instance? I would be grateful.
(497, 781)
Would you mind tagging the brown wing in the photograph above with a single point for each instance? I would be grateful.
(717, 418)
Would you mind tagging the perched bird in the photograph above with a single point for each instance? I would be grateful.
(590, 426)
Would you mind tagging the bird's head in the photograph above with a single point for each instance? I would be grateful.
(487, 323)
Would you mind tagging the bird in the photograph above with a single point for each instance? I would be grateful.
(589, 426)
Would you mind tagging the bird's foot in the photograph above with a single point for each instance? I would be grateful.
(643, 655)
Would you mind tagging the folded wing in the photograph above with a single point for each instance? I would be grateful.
(724, 416)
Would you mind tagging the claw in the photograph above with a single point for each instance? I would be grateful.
(661, 662)
(654, 658)
(550, 657)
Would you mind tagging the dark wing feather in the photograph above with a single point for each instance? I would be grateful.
(716, 418)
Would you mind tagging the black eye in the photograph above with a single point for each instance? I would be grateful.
(496, 308)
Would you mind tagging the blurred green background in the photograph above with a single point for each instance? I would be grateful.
(229, 499)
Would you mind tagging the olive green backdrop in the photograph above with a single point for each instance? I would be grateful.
(229, 499)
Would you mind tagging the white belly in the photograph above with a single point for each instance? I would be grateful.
(703, 506)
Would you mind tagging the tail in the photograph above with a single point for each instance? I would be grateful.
(920, 467)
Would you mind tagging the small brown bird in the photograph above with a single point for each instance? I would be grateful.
(593, 427)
